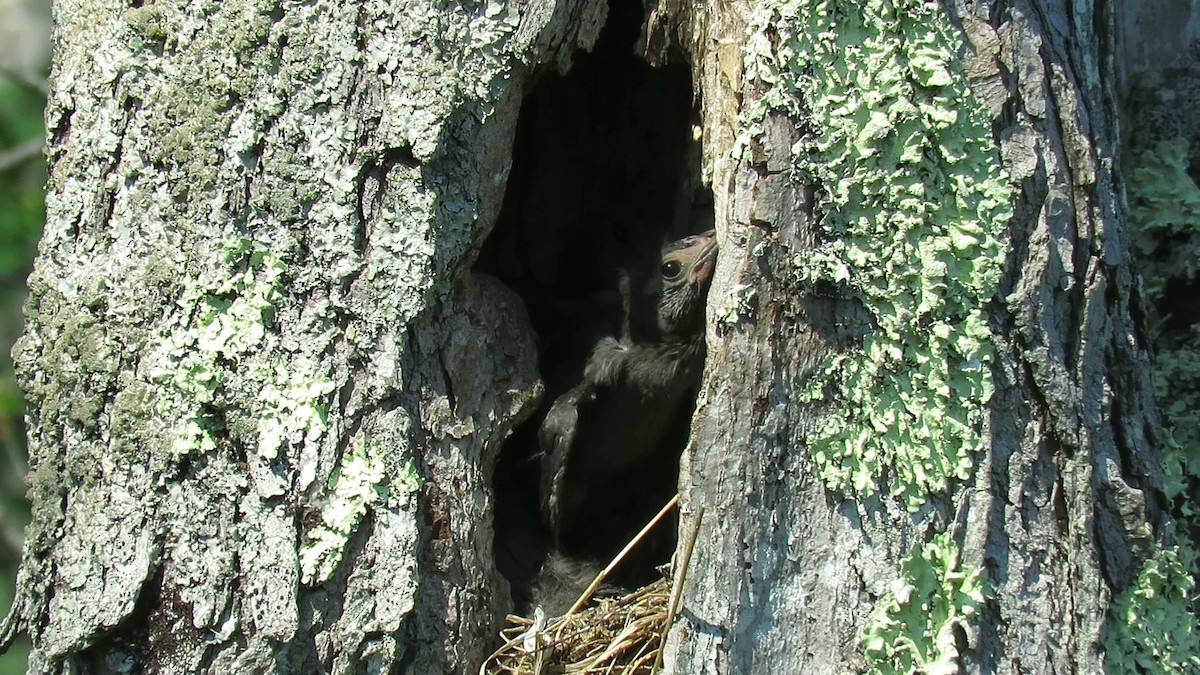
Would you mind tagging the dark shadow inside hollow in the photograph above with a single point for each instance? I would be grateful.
(605, 170)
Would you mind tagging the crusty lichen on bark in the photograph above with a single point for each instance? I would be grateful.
(913, 203)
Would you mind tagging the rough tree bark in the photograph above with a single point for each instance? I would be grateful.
(1060, 507)
(267, 392)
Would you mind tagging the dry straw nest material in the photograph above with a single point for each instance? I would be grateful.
(617, 636)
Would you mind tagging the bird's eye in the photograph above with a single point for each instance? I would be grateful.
(671, 269)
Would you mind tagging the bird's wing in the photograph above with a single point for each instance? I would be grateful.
(555, 437)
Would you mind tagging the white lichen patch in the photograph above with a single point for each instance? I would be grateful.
(423, 94)
(356, 485)
(230, 325)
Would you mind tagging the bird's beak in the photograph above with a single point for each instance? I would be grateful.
(706, 258)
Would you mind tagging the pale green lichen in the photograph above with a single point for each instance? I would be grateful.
(292, 403)
(228, 325)
(913, 627)
(914, 200)
(1152, 628)
(358, 484)
(741, 304)
(407, 482)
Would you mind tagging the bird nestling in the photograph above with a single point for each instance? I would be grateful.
(610, 445)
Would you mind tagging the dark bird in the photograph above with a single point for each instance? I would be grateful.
(610, 445)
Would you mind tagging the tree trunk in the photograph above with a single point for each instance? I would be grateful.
(1042, 475)
(268, 392)
(265, 395)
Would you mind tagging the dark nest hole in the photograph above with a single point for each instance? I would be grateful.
(606, 168)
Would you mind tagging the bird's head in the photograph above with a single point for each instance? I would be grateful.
(674, 294)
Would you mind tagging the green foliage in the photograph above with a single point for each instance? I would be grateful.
(1153, 624)
(21, 109)
(1153, 629)
(1177, 388)
(14, 661)
(1164, 219)
(22, 209)
(914, 201)
(1164, 210)
(912, 629)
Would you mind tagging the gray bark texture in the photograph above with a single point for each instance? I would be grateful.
(267, 393)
